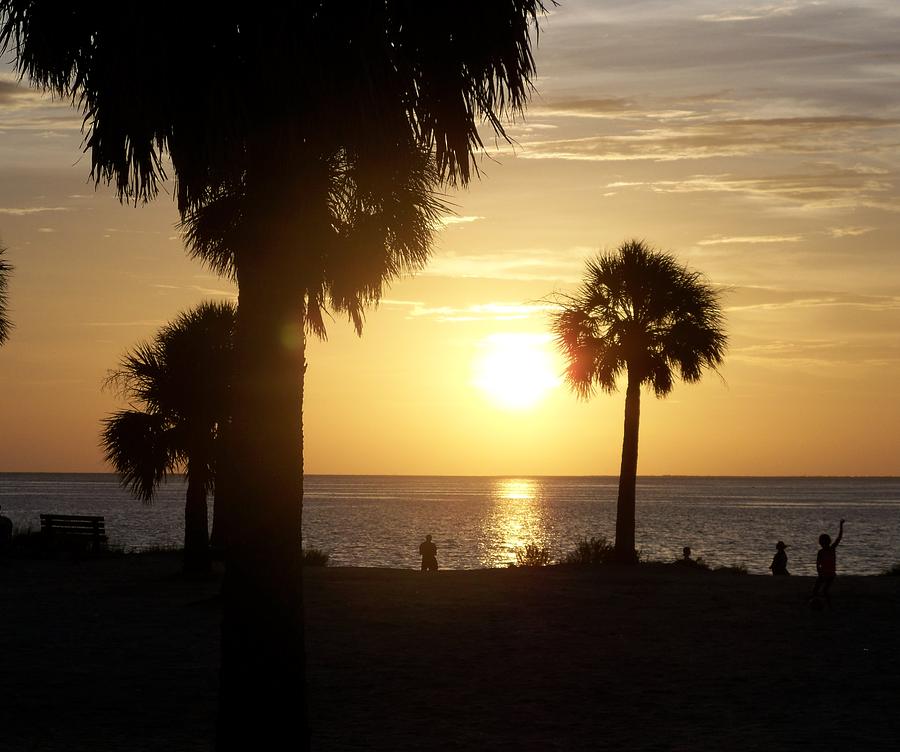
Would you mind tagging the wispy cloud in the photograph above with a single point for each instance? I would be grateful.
(848, 232)
(136, 323)
(455, 220)
(24, 211)
(518, 264)
(597, 108)
(494, 311)
(805, 300)
(845, 354)
(825, 187)
(751, 239)
(13, 94)
(616, 109)
(26, 109)
(753, 13)
(721, 138)
(395, 303)
(216, 292)
(108, 232)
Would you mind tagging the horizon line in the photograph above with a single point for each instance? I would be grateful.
(493, 475)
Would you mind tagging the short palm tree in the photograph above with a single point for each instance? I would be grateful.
(178, 386)
(5, 324)
(643, 315)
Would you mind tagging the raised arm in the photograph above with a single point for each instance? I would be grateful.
(839, 535)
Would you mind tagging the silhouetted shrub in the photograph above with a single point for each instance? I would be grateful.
(313, 557)
(733, 569)
(533, 555)
(26, 541)
(893, 571)
(589, 552)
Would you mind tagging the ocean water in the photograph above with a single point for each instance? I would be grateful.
(378, 521)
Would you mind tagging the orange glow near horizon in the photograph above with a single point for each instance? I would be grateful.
(516, 371)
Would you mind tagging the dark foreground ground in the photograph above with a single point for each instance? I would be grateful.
(119, 654)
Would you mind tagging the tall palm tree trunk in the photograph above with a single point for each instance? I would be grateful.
(224, 491)
(625, 551)
(196, 524)
(263, 680)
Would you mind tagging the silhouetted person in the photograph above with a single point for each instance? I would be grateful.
(779, 561)
(429, 555)
(826, 564)
(686, 560)
(5, 534)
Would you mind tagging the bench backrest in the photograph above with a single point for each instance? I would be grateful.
(74, 525)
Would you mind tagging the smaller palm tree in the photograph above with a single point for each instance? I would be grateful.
(178, 386)
(641, 314)
(5, 324)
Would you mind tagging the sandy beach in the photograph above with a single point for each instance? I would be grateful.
(122, 653)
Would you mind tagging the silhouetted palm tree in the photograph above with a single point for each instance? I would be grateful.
(641, 314)
(178, 386)
(5, 323)
(277, 121)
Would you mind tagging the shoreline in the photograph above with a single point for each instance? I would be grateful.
(379, 521)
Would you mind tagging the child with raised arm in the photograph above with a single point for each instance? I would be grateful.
(826, 564)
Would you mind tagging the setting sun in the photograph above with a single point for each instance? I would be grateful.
(516, 371)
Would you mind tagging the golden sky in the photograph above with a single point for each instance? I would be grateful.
(757, 141)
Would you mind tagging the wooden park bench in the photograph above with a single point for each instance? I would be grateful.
(73, 531)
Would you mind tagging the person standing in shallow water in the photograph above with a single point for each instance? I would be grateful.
(429, 555)
(826, 564)
(779, 561)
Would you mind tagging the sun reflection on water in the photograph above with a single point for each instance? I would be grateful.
(517, 518)
(515, 488)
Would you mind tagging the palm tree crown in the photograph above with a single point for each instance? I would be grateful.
(642, 314)
(639, 312)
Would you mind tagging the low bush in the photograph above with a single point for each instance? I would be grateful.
(589, 552)
(26, 541)
(697, 563)
(313, 557)
(733, 569)
(162, 548)
(533, 555)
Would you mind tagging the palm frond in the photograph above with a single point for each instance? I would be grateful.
(385, 215)
(376, 223)
(5, 323)
(137, 445)
(291, 77)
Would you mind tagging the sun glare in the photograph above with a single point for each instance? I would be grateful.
(516, 371)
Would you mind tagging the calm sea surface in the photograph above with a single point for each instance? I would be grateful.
(378, 521)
